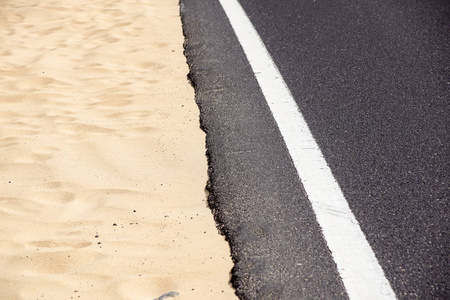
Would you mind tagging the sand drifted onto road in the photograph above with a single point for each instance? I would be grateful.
(102, 162)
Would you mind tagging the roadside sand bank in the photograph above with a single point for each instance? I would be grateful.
(102, 164)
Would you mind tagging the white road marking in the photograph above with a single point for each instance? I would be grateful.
(358, 267)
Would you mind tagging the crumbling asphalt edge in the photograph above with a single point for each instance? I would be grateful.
(211, 200)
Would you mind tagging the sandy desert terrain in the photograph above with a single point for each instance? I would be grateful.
(102, 161)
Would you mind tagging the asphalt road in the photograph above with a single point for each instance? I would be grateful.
(372, 81)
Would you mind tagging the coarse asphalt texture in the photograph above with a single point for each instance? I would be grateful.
(372, 80)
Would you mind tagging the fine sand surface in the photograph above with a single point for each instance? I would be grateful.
(102, 162)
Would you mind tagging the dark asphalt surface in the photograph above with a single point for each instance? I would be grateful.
(372, 80)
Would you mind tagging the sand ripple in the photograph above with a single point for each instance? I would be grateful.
(102, 165)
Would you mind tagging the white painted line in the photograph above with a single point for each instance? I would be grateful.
(358, 267)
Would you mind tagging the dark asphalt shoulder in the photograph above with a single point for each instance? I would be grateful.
(255, 193)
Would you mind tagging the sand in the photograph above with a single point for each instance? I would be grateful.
(102, 161)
